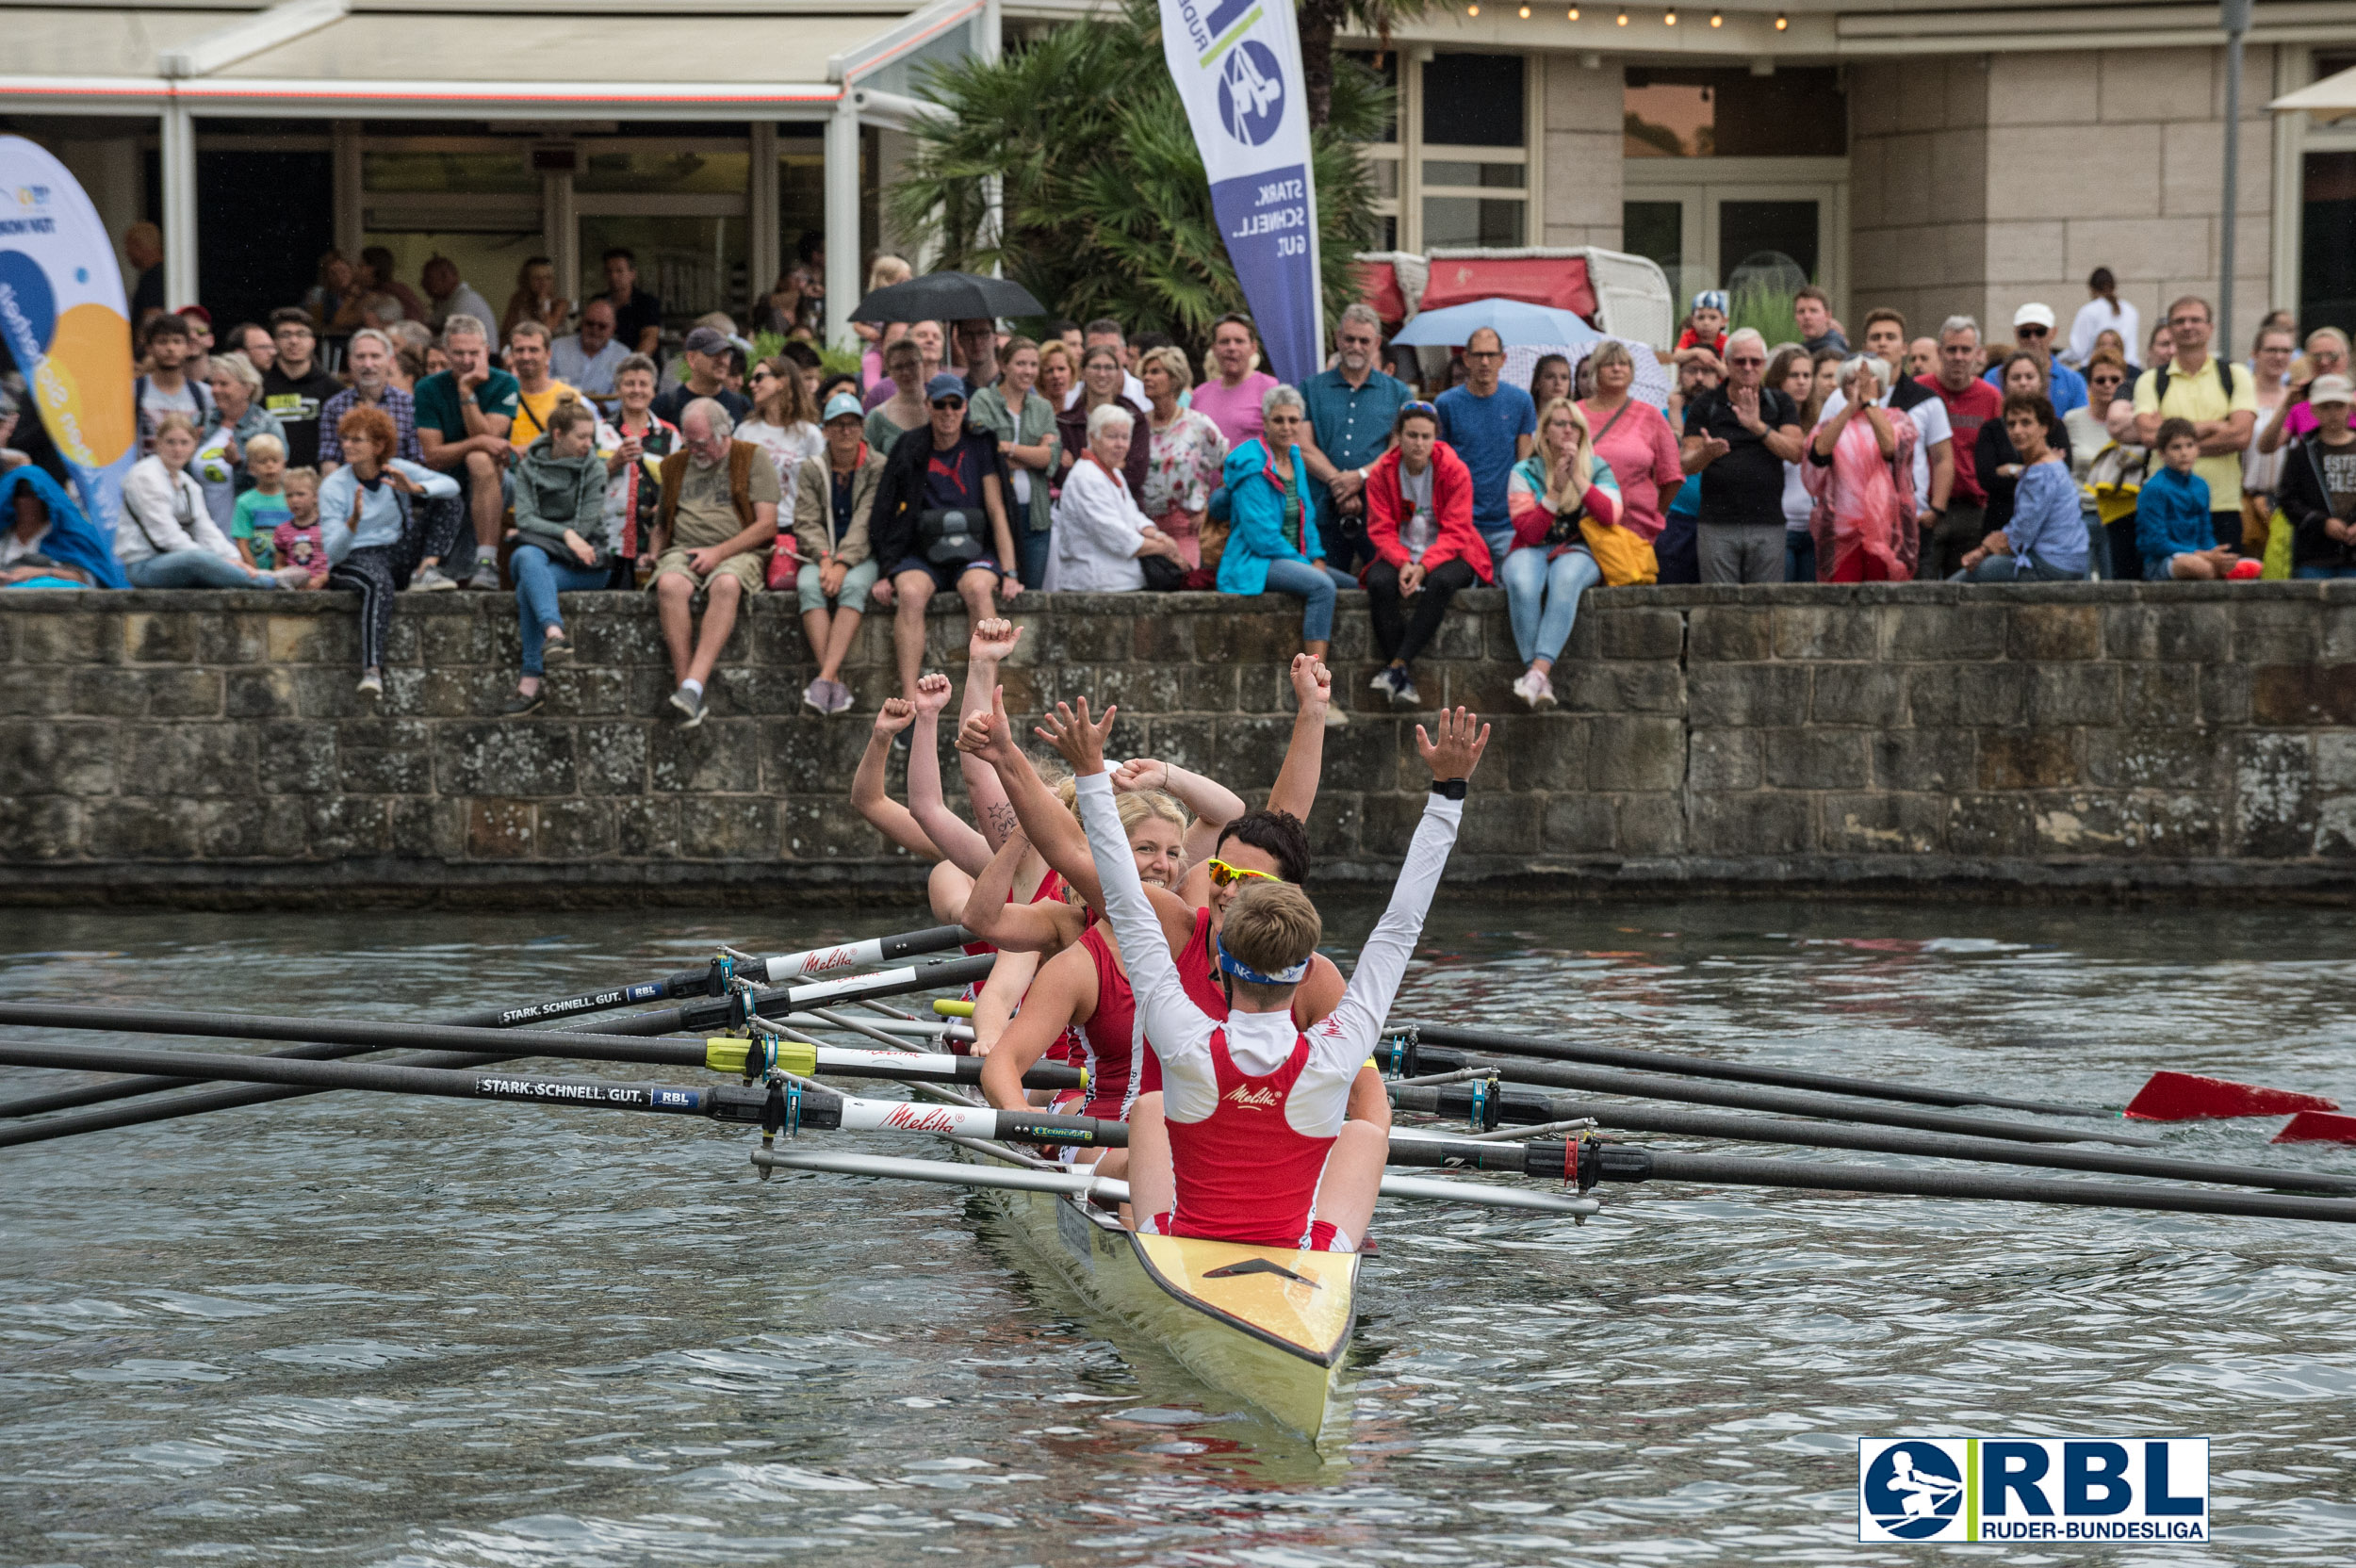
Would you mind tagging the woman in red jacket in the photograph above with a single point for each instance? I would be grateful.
(1419, 520)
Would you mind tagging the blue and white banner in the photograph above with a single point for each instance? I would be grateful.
(1238, 65)
(2055, 1490)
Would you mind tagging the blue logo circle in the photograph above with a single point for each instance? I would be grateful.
(1912, 1490)
(1251, 94)
(28, 308)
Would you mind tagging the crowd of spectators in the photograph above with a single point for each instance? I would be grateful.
(362, 441)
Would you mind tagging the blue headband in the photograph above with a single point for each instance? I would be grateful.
(1241, 971)
(1712, 299)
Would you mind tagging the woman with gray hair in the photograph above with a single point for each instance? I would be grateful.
(239, 417)
(1101, 540)
(1861, 464)
(1272, 543)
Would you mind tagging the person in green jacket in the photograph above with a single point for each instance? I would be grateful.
(562, 539)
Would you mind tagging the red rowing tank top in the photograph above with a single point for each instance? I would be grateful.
(1109, 1037)
(1244, 1173)
(1199, 972)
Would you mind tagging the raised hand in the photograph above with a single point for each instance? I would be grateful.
(932, 695)
(1312, 684)
(993, 641)
(1459, 748)
(989, 736)
(896, 714)
(1141, 773)
(1081, 744)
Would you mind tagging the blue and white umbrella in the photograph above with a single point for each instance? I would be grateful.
(1511, 320)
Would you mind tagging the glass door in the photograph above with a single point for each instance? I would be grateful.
(1702, 218)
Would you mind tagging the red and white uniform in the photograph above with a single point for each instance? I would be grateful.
(1253, 1102)
(1110, 1037)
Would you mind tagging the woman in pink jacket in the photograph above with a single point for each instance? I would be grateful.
(1419, 520)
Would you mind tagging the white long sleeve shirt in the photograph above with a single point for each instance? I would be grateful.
(165, 513)
(1097, 529)
(1260, 1042)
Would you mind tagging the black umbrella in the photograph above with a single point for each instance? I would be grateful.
(948, 296)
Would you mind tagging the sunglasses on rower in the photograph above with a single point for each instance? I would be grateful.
(1223, 874)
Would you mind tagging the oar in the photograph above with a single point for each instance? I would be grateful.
(510, 1046)
(771, 1105)
(1491, 1042)
(1649, 1086)
(712, 978)
(1509, 1106)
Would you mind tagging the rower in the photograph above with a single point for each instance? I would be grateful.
(1255, 1145)
(947, 888)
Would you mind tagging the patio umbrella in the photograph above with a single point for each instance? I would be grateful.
(1512, 320)
(948, 296)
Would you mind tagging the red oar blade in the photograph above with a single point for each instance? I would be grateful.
(2188, 1097)
(2318, 1127)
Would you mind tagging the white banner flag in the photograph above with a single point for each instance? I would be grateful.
(1238, 65)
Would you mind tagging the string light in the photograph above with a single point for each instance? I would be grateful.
(1574, 14)
(1623, 17)
(1717, 19)
(1782, 22)
(1472, 10)
(1670, 20)
(1525, 13)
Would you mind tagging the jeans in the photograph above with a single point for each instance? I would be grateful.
(1031, 552)
(1799, 555)
(1679, 549)
(1542, 597)
(2323, 571)
(1315, 582)
(192, 569)
(1404, 626)
(1742, 552)
(539, 578)
(2011, 568)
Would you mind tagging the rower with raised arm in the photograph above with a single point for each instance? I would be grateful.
(1254, 1128)
(947, 888)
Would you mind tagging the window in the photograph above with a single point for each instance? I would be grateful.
(1384, 155)
(2327, 214)
(1474, 159)
(1709, 112)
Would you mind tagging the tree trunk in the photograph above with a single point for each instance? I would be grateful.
(1317, 19)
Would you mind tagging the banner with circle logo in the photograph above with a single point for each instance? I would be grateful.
(1238, 65)
(65, 320)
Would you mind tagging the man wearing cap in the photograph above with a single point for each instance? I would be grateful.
(712, 530)
(2317, 491)
(706, 351)
(834, 497)
(2033, 334)
(939, 521)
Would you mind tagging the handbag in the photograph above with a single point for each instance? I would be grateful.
(1624, 557)
(784, 566)
(1162, 574)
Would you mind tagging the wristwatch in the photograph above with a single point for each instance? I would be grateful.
(1452, 788)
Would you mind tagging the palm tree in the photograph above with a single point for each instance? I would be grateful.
(1319, 20)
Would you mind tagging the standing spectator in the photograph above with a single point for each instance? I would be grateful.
(706, 353)
(939, 482)
(239, 417)
(1272, 545)
(198, 365)
(166, 537)
(2175, 518)
(2159, 350)
(333, 301)
(978, 345)
(715, 525)
(144, 248)
(1812, 311)
(370, 358)
(2104, 312)
(1102, 541)
(535, 299)
(1233, 400)
(637, 315)
(2271, 358)
(452, 297)
(2326, 355)
(2033, 333)
(380, 274)
(1921, 358)
(411, 342)
(1705, 330)
(1419, 521)
(1793, 369)
(932, 342)
(1860, 464)
(635, 443)
(537, 393)
(2088, 428)
(1995, 459)
(1101, 381)
(253, 339)
(1074, 340)
(2044, 540)
(588, 358)
(1354, 408)
(1934, 441)
(1559, 486)
(834, 501)
(1969, 403)
(1676, 549)
(294, 388)
(1550, 378)
(1059, 371)
(885, 271)
(560, 542)
(375, 533)
(1634, 442)
(2319, 486)
(784, 425)
(166, 388)
(1738, 437)
(1491, 425)
(1105, 333)
(902, 409)
(465, 415)
(2220, 401)
(1188, 454)
(1024, 424)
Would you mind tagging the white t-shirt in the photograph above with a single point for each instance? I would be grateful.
(786, 446)
(1930, 421)
(155, 402)
(1421, 530)
(1797, 502)
(2092, 319)
(1131, 388)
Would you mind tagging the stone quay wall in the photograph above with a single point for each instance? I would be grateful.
(2052, 740)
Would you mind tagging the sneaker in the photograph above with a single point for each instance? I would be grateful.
(816, 696)
(1402, 688)
(371, 686)
(520, 704)
(292, 577)
(487, 576)
(689, 706)
(1334, 718)
(1535, 690)
(839, 699)
(1382, 681)
(430, 580)
(556, 646)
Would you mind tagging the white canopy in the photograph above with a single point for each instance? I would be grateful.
(2332, 98)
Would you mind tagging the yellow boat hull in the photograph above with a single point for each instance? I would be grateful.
(1266, 1324)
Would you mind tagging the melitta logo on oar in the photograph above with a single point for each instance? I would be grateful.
(2057, 1489)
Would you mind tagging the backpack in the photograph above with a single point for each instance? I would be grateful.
(2224, 378)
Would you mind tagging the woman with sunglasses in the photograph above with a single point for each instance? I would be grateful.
(2088, 430)
(784, 424)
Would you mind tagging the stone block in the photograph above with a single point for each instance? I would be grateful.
(2156, 759)
(40, 828)
(1945, 632)
(1257, 689)
(1260, 638)
(1581, 823)
(2335, 759)
(807, 755)
(150, 638)
(63, 637)
(2056, 631)
(572, 692)
(2303, 694)
(33, 692)
(1334, 825)
(244, 829)
(2027, 760)
(1722, 760)
(1631, 632)
(1171, 639)
(1545, 751)
(343, 827)
(2172, 633)
(1748, 825)
(1986, 826)
(1836, 632)
(1728, 634)
(295, 758)
(2118, 174)
(2158, 695)
(2277, 632)
(503, 758)
(1636, 754)
(1734, 695)
(2228, 696)
(720, 756)
(40, 756)
(500, 829)
(266, 692)
(142, 828)
(578, 830)
(2338, 633)
(1250, 751)
(232, 639)
(2274, 796)
(107, 691)
(1155, 688)
(647, 827)
(327, 691)
(1652, 825)
(1190, 742)
(720, 828)
(191, 760)
(418, 828)
(1812, 759)
(183, 694)
(1928, 760)
(385, 757)
(314, 639)
(2072, 693)
(1859, 695)
(1882, 823)
(1511, 825)
(1620, 686)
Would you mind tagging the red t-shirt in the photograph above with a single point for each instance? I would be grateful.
(1687, 340)
(1967, 410)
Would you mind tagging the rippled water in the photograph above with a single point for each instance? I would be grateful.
(365, 1329)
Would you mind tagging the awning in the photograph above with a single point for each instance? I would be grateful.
(2332, 98)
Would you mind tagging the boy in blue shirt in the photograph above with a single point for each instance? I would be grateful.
(2172, 529)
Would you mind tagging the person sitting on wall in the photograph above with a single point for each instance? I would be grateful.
(714, 527)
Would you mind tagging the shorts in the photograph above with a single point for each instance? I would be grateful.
(944, 578)
(1322, 1235)
(750, 568)
(852, 598)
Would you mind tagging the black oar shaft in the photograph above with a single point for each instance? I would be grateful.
(1494, 1042)
(1740, 1170)
(1651, 1085)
